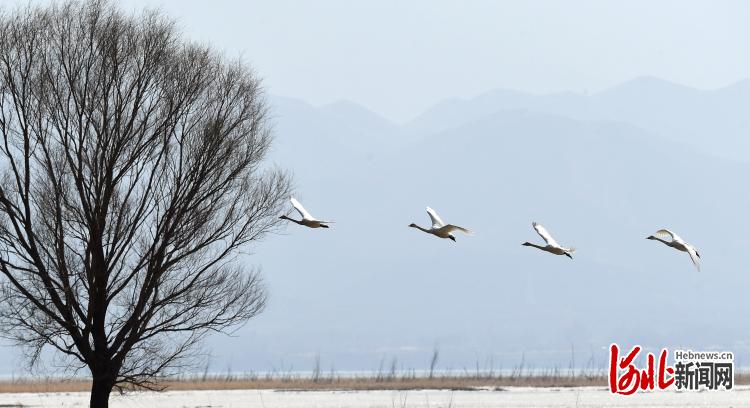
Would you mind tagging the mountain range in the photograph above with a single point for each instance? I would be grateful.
(600, 171)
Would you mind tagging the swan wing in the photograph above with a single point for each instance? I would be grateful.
(436, 221)
(451, 228)
(693, 256)
(665, 233)
(544, 234)
(301, 210)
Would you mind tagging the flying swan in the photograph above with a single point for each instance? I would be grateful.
(552, 246)
(307, 219)
(677, 243)
(439, 228)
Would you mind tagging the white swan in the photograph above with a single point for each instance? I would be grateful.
(439, 228)
(552, 246)
(307, 219)
(677, 243)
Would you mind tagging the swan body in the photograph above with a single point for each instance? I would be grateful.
(307, 219)
(677, 243)
(439, 228)
(552, 246)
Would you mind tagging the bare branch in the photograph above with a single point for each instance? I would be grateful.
(131, 177)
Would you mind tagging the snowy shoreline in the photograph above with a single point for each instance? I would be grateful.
(506, 396)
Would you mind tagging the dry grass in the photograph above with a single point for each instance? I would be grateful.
(290, 383)
(44, 385)
(371, 383)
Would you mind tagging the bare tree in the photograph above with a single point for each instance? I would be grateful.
(131, 177)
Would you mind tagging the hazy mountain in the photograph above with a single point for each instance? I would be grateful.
(714, 121)
(324, 140)
(601, 172)
(371, 289)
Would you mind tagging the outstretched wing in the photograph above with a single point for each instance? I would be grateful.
(452, 228)
(436, 221)
(665, 233)
(544, 234)
(301, 210)
(693, 256)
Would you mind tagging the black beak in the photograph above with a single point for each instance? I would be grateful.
(452, 238)
(568, 255)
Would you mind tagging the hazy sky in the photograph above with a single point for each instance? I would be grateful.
(387, 289)
(399, 57)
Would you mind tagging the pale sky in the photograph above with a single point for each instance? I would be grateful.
(372, 284)
(398, 58)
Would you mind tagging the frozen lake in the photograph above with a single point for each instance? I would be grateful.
(508, 397)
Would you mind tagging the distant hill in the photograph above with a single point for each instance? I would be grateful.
(713, 121)
(601, 171)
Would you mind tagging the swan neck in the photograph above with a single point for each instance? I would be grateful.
(422, 229)
(291, 219)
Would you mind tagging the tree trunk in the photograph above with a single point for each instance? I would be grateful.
(100, 390)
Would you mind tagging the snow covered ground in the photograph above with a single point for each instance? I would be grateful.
(508, 397)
